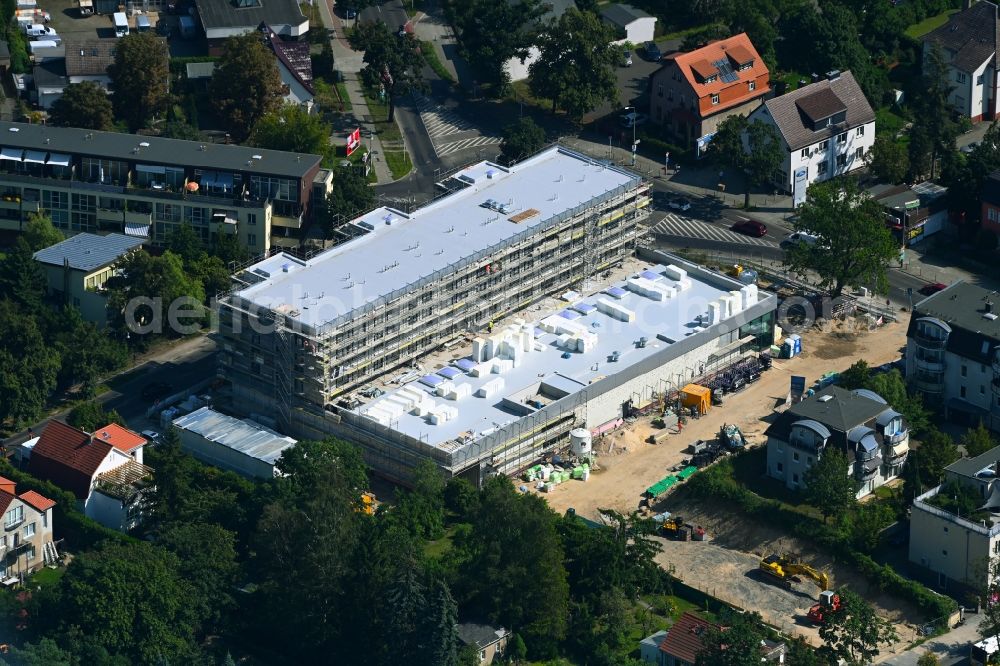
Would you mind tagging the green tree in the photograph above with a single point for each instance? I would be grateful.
(86, 352)
(206, 556)
(45, 652)
(867, 521)
(292, 128)
(185, 243)
(90, 416)
(516, 649)
(763, 156)
(801, 653)
(39, 232)
(576, 64)
(179, 129)
(934, 451)
(857, 376)
(934, 127)
(84, 105)
(738, 644)
(461, 498)
(855, 631)
(130, 597)
(245, 85)
(521, 139)
(30, 366)
(392, 63)
(140, 78)
(928, 659)
(888, 160)
(21, 277)
(828, 487)
(519, 582)
(854, 246)
(491, 33)
(349, 197)
(422, 509)
(966, 174)
(977, 441)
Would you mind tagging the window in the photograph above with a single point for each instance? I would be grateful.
(860, 131)
(823, 145)
(946, 528)
(965, 370)
(795, 478)
(14, 516)
(841, 160)
(795, 456)
(944, 552)
(30, 554)
(251, 239)
(252, 219)
(822, 167)
(982, 389)
(781, 468)
(752, 85)
(805, 152)
(961, 392)
(842, 138)
(29, 531)
(960, 77)
(659, 90)
(991, 215)
(715, 99)
(45, 519)
(809, 460)
(859, 154)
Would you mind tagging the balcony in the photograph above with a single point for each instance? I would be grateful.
(133, 217)
(929, 387)
(929, 366)
(867, 469)
(928, 342)
(896, 454)
(11, 525)
(287, 221)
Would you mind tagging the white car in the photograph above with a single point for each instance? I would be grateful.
(632, 118)
(627, 59)
(152, 437)
(680, 203)
(799, 237)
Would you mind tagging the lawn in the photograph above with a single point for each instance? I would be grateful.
(46, 577)
(748, 471)
(888, 122)
(398, 161)
(431, 56)
(436, 549)
(792, 79)
(520, 91)
(918, 30)
(344, 97)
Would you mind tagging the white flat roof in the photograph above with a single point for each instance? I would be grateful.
(243, 435)
(661, 322)
(399, 249)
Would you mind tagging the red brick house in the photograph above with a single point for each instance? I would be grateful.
(694, 92)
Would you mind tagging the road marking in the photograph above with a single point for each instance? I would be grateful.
(685, 227)
(455, 146)
(442, 123)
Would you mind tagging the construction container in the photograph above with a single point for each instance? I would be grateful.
(697, 397)
(580, 442)
(687, 472)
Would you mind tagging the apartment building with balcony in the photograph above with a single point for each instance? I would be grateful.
(26, 539)
(953, 353)
(143, 186)
(874, 437)
(826, 128)
(955, 546)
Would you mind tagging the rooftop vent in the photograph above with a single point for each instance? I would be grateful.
(824, 398)
(14, 129)
(833, 75)
(258, 157)
(990, 315)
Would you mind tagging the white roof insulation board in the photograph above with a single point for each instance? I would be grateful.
(401, 249)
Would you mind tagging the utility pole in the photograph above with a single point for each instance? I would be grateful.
(635, 118)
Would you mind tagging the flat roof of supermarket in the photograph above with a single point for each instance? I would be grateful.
(399, 250)
(660, 322)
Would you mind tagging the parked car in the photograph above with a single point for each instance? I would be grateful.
(156, 390)
(970, 147)
(932, 288)
(652, 51)
(798, 237)
(626, 58)
(152, 437)
(632, 118)
(680, 203)
(750, 228)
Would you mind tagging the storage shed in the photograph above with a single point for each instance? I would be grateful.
(697, 396)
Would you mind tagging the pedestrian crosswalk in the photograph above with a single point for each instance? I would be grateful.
(686, 227)
(449, 132)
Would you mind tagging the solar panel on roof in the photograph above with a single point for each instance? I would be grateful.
(726, 72)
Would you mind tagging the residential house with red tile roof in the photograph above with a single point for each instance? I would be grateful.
(26, 540)
(680, 645)
(694, 92)
(101, 469)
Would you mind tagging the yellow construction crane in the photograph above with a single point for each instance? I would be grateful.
(785, 571)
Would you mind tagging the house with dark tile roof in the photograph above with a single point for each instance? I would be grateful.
(100, 469)
(826, 129)
(88, 59)
(294, 66)
(629, 24)
(26, 540)
(968, 44)
(489, 640)
(859, 423)
(692, 93)
(681, 643)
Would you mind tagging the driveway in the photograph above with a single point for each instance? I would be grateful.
(951, 648)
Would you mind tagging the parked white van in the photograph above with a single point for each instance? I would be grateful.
(121, 24)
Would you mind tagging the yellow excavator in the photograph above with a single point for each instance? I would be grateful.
(785, 571)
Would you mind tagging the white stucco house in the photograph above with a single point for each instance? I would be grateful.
(516, 68)
(826, 129)
(631, 24)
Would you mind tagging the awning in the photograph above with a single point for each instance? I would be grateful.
(13, 154)
(137, 230)
(34, 156)
(58, 159)
(150, 168)
(732, 346)
(900, 449)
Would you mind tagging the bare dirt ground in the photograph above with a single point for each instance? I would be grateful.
(627, 465)
(726, 565)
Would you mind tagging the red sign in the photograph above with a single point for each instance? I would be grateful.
(353, 141)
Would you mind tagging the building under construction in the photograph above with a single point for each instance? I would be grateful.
(305, 339)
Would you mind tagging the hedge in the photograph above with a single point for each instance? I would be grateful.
(715, 483)
(68, 523)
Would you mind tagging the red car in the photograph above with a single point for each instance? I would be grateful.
(750, 228)
(932, 288)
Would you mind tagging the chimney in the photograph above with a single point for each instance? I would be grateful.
(7, 485)
(815, 77)
(833, 75)
(988, 307)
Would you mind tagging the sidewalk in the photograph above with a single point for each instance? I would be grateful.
(349, 63)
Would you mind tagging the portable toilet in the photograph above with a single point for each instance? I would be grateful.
(796, 344)
(142, 23)
(696, 396)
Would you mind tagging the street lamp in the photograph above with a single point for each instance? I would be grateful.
(635, 143)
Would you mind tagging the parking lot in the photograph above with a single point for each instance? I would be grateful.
(69, 24)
